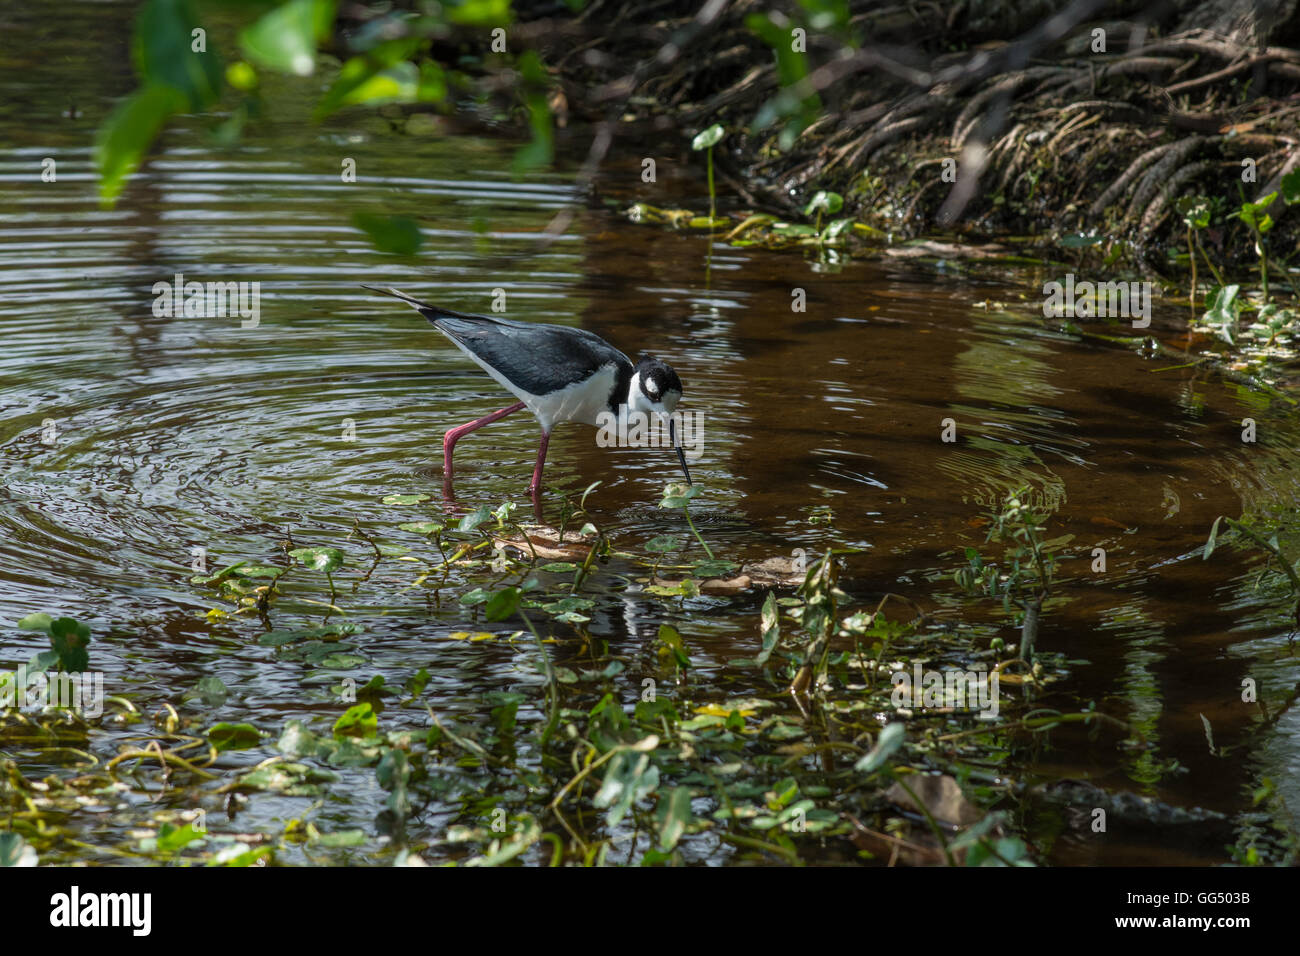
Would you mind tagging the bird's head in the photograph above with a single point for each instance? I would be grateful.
(655, 389)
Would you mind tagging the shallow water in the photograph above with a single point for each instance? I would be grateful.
(128, 440)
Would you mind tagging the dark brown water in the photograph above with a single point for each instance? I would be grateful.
(171, 434)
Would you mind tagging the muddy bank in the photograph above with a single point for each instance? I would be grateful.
(1051, 119)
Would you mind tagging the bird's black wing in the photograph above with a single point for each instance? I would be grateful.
(534, 357)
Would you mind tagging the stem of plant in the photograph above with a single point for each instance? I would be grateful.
(687, 511)
(1206, 256)
(712, 206)
(1263, 261)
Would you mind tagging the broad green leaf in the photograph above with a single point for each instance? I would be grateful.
(396, 235)
(285, 37)
(1194, 210)
(14, 851)
(359, 720)
(421, 527)
(663, 544)
(708, 137)
(481, 515)
(172, 838)
(1291, 187)
(890, 739)
(36, 622)
(122, 140)
(671, 638)
(836, 228)
(162, 50)
(404, 499)
(69, 639)
(503, 604)
(674, 817)
(478, 13)
(212, 690)
(227, 736)
(823, 201)
(631, 776)
(383, 74)
(713, 568)
(327, 560)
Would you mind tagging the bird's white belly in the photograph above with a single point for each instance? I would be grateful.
(580, 402)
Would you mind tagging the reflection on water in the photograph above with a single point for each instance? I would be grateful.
(128, 440)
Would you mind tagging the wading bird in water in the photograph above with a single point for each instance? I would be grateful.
(558, 373)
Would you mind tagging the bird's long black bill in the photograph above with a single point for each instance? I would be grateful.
(681, 455)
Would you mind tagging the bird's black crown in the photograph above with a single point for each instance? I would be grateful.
(657, 378)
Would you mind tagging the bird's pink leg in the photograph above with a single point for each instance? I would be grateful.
(455, 434)
(535, 488)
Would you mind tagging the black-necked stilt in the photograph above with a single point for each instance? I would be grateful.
(560, 374)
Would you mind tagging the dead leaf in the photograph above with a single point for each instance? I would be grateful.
(941, 796)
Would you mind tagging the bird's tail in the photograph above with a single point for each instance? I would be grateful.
(430, 312)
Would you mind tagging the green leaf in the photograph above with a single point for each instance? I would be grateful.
(890, 739)
(226, 736)
(280, 638)
(421, 527)
(826, 202)
(671, 638)
(836, 228)
(212, 690)
(478, 13)
(359, 720)
(327, 560)
(664, 543)
(481, 515)
(404, 499)
(14, 851)
(123, 138)
(558, 567)
(1291, 187)
(396, 235)
(36, 622)
(1224, 310)
(771, 624)
(162, 50)
(674, 817)
(540, 150)
(708, 137)
(69, 639)
(1211, 541)
(631, 776)
(713, 568)
(1194, 210)
(503, 604)
(383, 74)
(285, 37)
